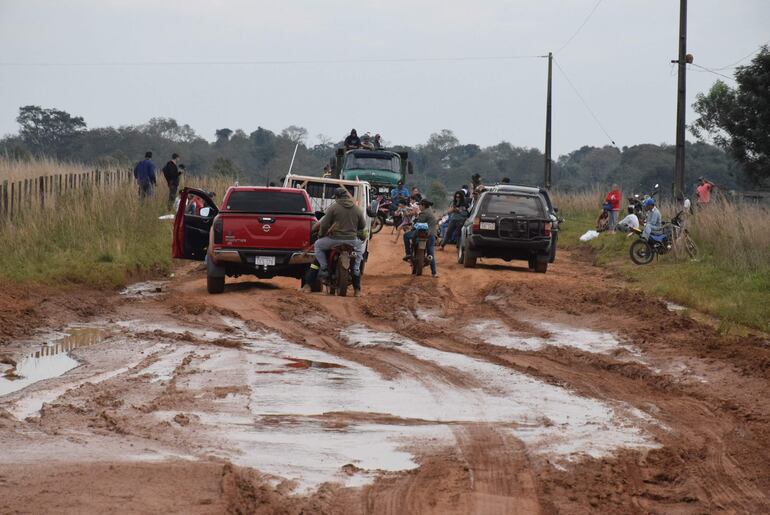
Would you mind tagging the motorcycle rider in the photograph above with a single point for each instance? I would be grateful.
(343, 223)
(654, 224)
(426, 216)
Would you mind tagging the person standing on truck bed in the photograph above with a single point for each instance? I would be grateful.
(343, 223)
(352, 141)
(144, 173)
(172, 173)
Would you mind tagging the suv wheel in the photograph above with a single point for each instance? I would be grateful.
(541, 264)
(469, 257)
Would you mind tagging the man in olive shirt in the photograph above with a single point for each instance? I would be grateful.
(426, 216)
(343, 223)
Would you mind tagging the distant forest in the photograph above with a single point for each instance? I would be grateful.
(262, 155)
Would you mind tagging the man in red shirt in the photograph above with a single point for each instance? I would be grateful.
(614, 198)
(703, 191)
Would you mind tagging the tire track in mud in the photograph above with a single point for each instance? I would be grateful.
(391, 303)
(715, 436)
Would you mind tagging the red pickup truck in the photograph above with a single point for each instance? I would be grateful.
(257, 231)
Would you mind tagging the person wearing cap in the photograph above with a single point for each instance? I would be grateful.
(426, 216)
(654, 224)
(343, 223)
(396, 194)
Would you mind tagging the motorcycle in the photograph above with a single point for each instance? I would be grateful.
(636, 203)
(420, 256)
(340, 275)
(383, 214)
(643, 251)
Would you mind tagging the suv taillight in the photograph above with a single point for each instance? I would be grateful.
(547, 229)
(217, 228)
(476, 227)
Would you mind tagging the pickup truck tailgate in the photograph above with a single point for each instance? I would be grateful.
(280, 232)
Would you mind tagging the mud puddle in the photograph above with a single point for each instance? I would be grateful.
(49, 360)
(144, 289)
(551, 420)
(494, 332)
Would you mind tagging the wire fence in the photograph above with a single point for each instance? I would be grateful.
(21, 195)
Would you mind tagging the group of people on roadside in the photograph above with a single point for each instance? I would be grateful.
(144, 174)
(367, 141)
(653, 223)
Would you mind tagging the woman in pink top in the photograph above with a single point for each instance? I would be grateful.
(703, 191)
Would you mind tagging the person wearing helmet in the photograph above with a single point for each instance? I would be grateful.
(654, 224)
(426, 216)
(343, 222)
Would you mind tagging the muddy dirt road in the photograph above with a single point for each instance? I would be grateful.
(492, 390)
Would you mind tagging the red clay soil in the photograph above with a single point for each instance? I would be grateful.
(708, 394)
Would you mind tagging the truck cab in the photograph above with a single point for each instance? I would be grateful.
(382, 169)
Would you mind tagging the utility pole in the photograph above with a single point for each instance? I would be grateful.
(547, 178)
(680, 102)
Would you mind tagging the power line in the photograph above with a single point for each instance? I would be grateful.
(712, 71)
(590, 14)
(731, 65)
(278, 61)
(585, 104)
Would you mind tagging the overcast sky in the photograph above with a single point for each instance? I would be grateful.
(619, 61)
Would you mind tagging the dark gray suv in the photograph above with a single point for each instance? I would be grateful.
(511, 222)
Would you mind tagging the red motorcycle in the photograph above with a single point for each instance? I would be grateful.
(340, 274)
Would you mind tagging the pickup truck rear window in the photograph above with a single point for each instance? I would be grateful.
(266, 202)
(508, 204)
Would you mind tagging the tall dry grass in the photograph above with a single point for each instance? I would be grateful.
(735, 234)
(96, 235)
(14, 170)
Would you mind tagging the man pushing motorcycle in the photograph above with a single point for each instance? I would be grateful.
(343, 223)
(426, 216)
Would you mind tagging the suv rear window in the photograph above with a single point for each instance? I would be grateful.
(266, 202)
(509, 204)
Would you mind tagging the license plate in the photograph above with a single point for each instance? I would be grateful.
(487, 226)
(264, 261)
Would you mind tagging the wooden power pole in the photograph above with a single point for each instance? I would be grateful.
(547, 178)
(680, 102)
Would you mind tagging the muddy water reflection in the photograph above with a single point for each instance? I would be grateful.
(51, 360)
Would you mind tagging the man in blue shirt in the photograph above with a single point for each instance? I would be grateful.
(397, 194)
(144, 173)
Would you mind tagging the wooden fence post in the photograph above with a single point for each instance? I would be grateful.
(10, 210)
(41, 189)
(5, 199)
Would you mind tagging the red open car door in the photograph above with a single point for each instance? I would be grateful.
(192, 224)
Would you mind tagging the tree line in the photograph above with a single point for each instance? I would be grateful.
(733, 128)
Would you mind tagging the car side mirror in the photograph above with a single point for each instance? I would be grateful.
(205, 211)
(410, 167)
(373, 208)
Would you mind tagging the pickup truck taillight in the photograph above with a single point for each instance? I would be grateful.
(476, 227)
(547, 229)
(217, 228)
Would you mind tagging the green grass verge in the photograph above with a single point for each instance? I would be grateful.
(96, 238)
(734, 294)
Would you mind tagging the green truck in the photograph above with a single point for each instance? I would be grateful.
(382, 169)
